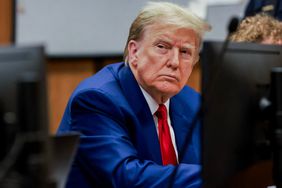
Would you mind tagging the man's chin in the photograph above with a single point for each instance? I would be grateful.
(170, 91)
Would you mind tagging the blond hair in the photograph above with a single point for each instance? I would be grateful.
(165, 13)
(257, 28)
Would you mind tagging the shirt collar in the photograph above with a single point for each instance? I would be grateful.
(153, 105)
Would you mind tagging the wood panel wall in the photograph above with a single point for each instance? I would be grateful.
(5, 22)
(64, 74)
(62, 77)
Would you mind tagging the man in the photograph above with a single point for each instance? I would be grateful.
(125, 140)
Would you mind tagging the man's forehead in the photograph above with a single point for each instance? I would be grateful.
(166, 33)
(167, 27)
(160, 29)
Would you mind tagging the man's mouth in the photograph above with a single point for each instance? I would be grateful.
(170, 77)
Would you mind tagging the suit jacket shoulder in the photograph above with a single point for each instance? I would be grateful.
(116, 126)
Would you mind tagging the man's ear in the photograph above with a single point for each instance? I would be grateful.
(132, 52)
(196, 60)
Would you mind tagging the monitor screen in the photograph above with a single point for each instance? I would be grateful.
(23, 114)
(236, 130)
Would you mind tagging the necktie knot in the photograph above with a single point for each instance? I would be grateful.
(161, 113)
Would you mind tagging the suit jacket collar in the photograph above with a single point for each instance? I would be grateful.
(141, 109)
(182, 130)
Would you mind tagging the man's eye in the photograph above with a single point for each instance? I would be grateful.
(162, 48)
(185, 53)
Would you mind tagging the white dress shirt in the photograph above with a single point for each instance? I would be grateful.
(153, 105)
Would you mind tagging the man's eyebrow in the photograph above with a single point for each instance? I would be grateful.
(167, 40)
(188, 46)
(164, 40)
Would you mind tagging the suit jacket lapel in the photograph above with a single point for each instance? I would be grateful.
(180, 123)
(147, 137)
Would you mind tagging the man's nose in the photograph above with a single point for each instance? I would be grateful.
(174, 59)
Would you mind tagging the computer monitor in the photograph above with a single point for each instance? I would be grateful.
(237, 129)
(23, 113)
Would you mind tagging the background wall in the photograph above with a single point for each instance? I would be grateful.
(71, 27)
(68, 27)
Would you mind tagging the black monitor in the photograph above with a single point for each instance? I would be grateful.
(23, 115)
(237, 110)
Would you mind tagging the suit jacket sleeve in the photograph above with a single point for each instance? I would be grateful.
(106, 152)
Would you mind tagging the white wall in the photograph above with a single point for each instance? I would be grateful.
(77, 27)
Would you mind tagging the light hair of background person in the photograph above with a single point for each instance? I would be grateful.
(260, 28)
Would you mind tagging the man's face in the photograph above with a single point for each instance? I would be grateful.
(162, 60)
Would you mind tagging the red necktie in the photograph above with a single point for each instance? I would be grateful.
(167, 149)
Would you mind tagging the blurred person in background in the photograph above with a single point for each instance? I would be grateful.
(270, 7)
(260, 28)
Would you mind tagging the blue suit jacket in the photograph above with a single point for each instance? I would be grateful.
(119, 144)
